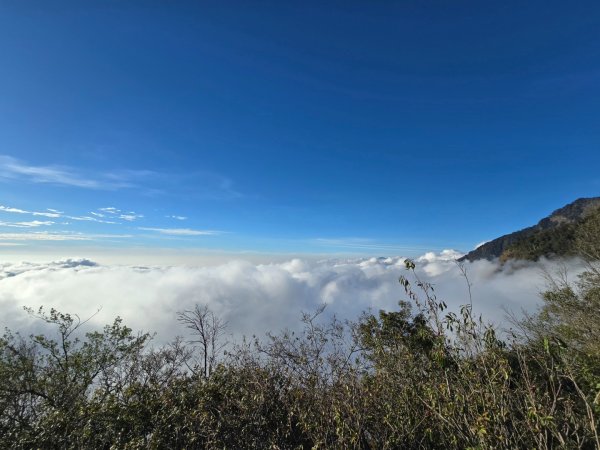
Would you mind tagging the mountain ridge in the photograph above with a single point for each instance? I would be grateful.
(553, 235)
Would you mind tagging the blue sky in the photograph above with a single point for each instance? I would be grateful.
(293, 127)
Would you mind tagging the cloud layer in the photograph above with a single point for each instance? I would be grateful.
(256, 298)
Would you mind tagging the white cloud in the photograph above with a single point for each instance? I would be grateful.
(12, 168)
(130, 217)
(182, 231)
(444, 256)
(110, 210)
(32, 224)
(46, 236)
(13, 210)
(116, 213)
(434, 264)
(94, 217)
(89, 219)
(52, 213)
(177, 217)
(255, 298)
(199, 184)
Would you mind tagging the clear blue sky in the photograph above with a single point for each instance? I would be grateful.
(367, 127)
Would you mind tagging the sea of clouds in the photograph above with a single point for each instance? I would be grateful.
(256, 298)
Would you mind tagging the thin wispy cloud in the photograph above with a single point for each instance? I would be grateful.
(225, 188)
(52, 213)
(113, 214)
(32, 224)
(182, 231)
(89, 219)
(105, 215)
(110, 210)
(55, 214)
(206, 185)
(129, 175)
(47, 236)
(14, 169)
(177, 217)
(130, 217)
(116, 213)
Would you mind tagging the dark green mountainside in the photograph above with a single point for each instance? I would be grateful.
(556, 235)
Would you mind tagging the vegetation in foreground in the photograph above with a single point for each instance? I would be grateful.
(418, 377)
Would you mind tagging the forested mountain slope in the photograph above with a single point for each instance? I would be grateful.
(555, 235)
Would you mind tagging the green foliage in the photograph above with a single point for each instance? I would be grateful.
(580, 238)
(568, 328)
(46, 381)
(558, 241)
(587, 237)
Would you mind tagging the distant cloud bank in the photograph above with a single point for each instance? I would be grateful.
(182, 231)
(256, 298)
